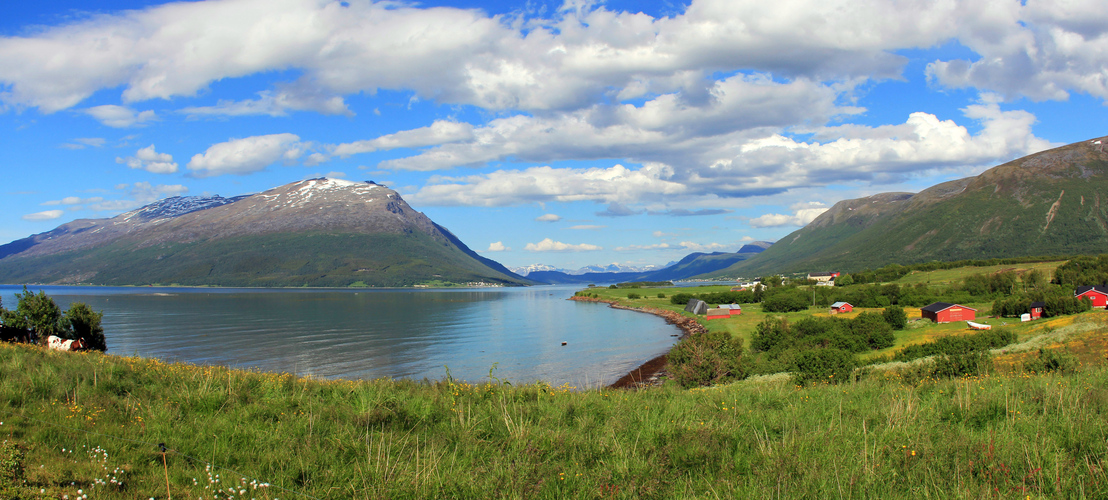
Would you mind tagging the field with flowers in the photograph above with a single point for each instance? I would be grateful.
(92, 426)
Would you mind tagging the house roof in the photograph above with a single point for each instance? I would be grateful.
(942, 306)
(730, 306)
(840, 304)
(1039, 305)
(822, 274)
(718, 312)
(1094, 288)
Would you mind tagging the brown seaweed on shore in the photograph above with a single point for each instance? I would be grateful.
(651, 372)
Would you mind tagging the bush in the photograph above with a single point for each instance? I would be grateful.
(680, 299)
(895, 317)
(829, 365)
(962, 365)
(706, 359)
(1051, 361)
(83, 323)
(36, 313)
(872, 328)
(958, 344)
(661, 295)
(770, 334)
(634, 296)
(786, 301)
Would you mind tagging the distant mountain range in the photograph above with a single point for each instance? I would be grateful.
(1050, 203)
(610, 268)
(317, 232)
(693, 265)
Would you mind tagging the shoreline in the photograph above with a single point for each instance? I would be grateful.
(649, 373)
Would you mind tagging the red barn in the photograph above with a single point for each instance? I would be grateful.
(732, 309)
(1098, 294)
(718, 314)
(1037, 309)
(841, 307)
(943, 312)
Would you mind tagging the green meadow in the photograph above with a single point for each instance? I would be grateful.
(89, 425)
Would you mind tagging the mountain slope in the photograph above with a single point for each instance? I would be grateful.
(692, 265)
(317, 232)
(1050, 203)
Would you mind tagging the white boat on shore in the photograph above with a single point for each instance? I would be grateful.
(979, 326)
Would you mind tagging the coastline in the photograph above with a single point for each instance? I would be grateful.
(651, 372)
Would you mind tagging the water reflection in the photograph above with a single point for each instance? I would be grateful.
(378, 333)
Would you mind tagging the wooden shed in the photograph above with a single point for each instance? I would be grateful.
(718, 313)
(1097, 294)
(841, 307)
(944, 312)
(1037, 309)
(732, 309)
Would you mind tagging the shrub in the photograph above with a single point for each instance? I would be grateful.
(1051, 361)
(895, 317)
(661, 295)
(83, 323)
(961, 365)
(872, 328)
(786, 301)
(771, 333)
(36, 313)
(706, 359)
(829, 365)
(680, 299)
(958, 344)
(634, 296)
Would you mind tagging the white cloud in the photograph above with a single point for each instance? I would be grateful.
(549, 245)
(299, 96)
(120, 116)
(245, 156)
(655, 246)
(548, 218)
(803, 213)
(498, 246)
(84, 142)
(47, 215)
(138, 194)
(439, 132)
(690, 246)
(151, 161)
(545, 184)
(74, 200)
(587, 227)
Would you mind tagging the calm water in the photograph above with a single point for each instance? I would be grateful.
(378, 333)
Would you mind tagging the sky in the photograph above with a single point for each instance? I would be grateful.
(566, 133)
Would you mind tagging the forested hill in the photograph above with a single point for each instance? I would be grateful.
(1050, 203)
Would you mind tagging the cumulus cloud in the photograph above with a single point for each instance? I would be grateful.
(549, 245)
(546, 184)
(684, 212)
(136, 195)
(690, 246)
(439, 132)
(85, 142)
(47, 215)
(587, 227)
(548, 218)
(299, 96)
(245, 156)
(120, 116)
(497, 246)
(803, 213)
(151, 161)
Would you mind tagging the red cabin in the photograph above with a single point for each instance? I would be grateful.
(943, 312)
(1097, 294)
(718, 313)
(841, 307)
(1037, 309)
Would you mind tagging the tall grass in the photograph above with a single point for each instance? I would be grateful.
(1006, 437)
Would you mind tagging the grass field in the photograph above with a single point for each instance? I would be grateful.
(88, 425)
(948, 276)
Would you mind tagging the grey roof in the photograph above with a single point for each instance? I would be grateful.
(840, 304)
(942, 306)
(730, 306)
(696, 306)
(1099, 288)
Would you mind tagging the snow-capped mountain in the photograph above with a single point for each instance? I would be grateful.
(326, 232)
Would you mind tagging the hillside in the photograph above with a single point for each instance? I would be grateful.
(317, 232)
(691, 265)
(1048, 203)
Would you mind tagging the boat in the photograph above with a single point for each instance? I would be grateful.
(979, 326)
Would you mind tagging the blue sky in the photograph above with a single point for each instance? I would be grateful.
(563, 133)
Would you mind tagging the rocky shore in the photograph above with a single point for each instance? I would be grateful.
(651, 372)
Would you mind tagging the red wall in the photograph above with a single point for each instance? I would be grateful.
(1099, 299)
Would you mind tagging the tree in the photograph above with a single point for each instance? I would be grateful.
(844, 280)
(895, 317)
(84, 323)
(36, 313)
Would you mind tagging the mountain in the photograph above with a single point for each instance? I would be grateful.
(692, 265)
(1050, 203)
(317, 232)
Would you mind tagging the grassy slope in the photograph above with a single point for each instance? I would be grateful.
(317, 259)
(979, 224)
(1001, 436)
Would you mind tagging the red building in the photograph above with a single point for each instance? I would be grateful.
(732, 309)
(718, 313)
(1037, 309)
(841, 307)
(1097, 294)
(942, 312)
